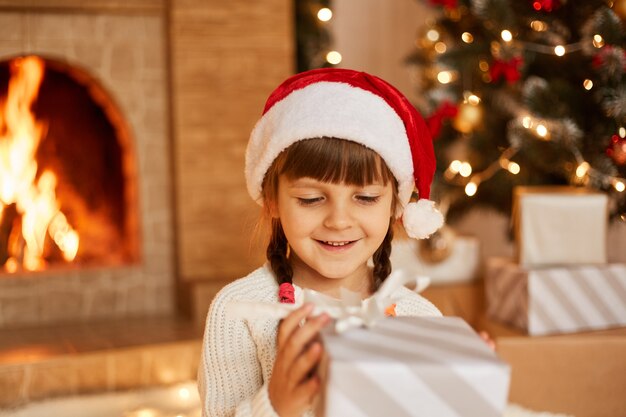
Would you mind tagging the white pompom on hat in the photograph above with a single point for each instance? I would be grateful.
(355, 106)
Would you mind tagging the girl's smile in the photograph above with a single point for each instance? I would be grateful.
(333, 230)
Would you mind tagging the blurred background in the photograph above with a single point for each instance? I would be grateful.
(123, 207)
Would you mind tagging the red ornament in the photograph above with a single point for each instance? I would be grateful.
(510, 69)
(286, 293)
(546, 5)
(446, 110)
(617, 150)
(448, 4)
(600, 58)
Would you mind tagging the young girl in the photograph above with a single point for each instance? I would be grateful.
(334, 161)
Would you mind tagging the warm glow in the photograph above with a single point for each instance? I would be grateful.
(473, 99)
(34, 195)
(455, 166)
(507, 36)
(467, 37)
(619, 185)
(483, 65)
(622, 132)
(444, 77)
(527, 122)
(333, 57)
(588, 84)
(324, 14)
(559, 50)
(466, 169)
(471, 188)
(538, 26)
(184, 393)
(542, 131)
(582, 169)
(432, 35)
(598, 41)
(513, 168)
(440, 47)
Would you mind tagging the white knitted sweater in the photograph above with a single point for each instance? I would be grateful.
(238, 355)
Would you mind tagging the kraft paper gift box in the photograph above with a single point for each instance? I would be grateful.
(559, 225)
(551, 300)
(411, 366)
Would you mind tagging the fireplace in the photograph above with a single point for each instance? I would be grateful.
(103, 154)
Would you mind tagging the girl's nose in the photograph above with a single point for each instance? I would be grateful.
(338, 217)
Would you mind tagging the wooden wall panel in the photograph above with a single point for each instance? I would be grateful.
(226, 58)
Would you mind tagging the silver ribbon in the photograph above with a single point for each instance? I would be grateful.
(348, 311)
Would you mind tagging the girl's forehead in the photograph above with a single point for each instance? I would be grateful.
(304, 182)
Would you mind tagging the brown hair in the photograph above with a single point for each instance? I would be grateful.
(328, 160)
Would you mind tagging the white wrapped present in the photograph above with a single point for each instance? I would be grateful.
(411, 366)
(556, 299)
(560, 225)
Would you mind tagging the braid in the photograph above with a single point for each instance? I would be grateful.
(382, 264)
(277, 253)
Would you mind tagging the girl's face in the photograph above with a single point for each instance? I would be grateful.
(333, 229)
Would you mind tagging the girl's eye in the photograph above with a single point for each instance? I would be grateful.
(308, 201)
(370, 199)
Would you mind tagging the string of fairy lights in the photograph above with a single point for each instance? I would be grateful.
(324, 15)
(461, 172)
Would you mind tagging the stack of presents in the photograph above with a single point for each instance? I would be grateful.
(567, 304)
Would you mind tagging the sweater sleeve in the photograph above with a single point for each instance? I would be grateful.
(230, 379)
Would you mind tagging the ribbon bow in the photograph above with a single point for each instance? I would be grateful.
(348, 311)
(509, 69)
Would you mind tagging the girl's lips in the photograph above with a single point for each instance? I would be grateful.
(336, 246)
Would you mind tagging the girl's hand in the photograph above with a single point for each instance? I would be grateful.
(293, 385)
(487, 339)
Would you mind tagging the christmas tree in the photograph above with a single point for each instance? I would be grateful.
(524, 92)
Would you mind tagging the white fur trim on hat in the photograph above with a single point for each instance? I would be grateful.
(331, 109)
(421, 219)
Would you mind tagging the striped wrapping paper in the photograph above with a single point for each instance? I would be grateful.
(556, 299)
(412, 366)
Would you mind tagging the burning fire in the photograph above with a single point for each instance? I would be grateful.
(33, 196)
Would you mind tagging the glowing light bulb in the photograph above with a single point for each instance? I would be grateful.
(483, 65)
(466, 169)
(598, 41)
(527, 122)
(432, 35)
(444, 77)
(473, 99)
(588, 84)
(440, 47)
(559, 50)
(513, 168)
(582, 169)
(619, 186)
(333, 57)
(471, 188)
(542, 131)
(467, 37)
(538, 26)
(324, 14)
(455, 166)
(506, 35)
(622, 132)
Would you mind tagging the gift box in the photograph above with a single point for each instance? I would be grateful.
(411, 366)
(556, 299)
(581, 374)
(559, 225)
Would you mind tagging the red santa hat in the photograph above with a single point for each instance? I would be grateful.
(359, 107)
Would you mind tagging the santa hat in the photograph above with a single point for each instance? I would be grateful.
(355, 106)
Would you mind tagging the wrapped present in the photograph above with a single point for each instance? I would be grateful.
(411, 366)
(559, 225)
(556, 299)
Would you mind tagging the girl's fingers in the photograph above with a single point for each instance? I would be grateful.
(291, 323)
(302, 337)
(305, 363)
(308, 389)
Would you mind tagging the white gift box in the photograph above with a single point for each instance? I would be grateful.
(560, 225)
(556, 299)
(411, 366)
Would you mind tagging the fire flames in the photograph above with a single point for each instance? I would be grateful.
(22, 188)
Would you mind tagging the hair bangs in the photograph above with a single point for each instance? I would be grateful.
(334, 160)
